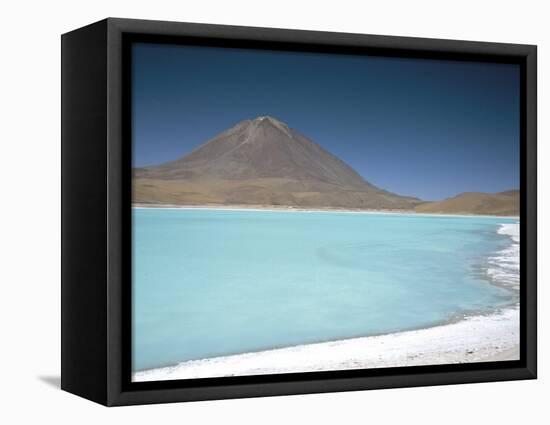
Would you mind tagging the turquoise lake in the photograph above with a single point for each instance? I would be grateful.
(211, 282)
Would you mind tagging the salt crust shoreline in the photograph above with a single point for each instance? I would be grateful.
(305, 210)
(479, 338)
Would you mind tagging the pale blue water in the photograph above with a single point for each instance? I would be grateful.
(208, 283)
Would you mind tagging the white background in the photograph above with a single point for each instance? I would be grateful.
(30, 224)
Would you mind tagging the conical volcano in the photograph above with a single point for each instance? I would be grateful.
(262, 162)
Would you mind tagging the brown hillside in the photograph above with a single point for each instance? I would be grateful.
(262, 161)
(503, 203)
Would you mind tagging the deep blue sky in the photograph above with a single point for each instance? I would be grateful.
(418, 127)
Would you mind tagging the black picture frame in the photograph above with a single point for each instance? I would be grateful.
(96, 215)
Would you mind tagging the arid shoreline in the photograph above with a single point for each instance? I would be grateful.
(479, 338)
(283, 208)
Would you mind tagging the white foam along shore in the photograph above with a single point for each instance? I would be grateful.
(476, 338)
(503, 267)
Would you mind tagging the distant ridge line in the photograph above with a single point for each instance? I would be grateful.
(263, 161)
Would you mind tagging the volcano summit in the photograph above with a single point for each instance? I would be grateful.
(261, 162)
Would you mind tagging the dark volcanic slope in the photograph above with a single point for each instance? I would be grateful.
(261, 161)
(255, 149)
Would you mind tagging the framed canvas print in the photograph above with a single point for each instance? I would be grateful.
(252, 212)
